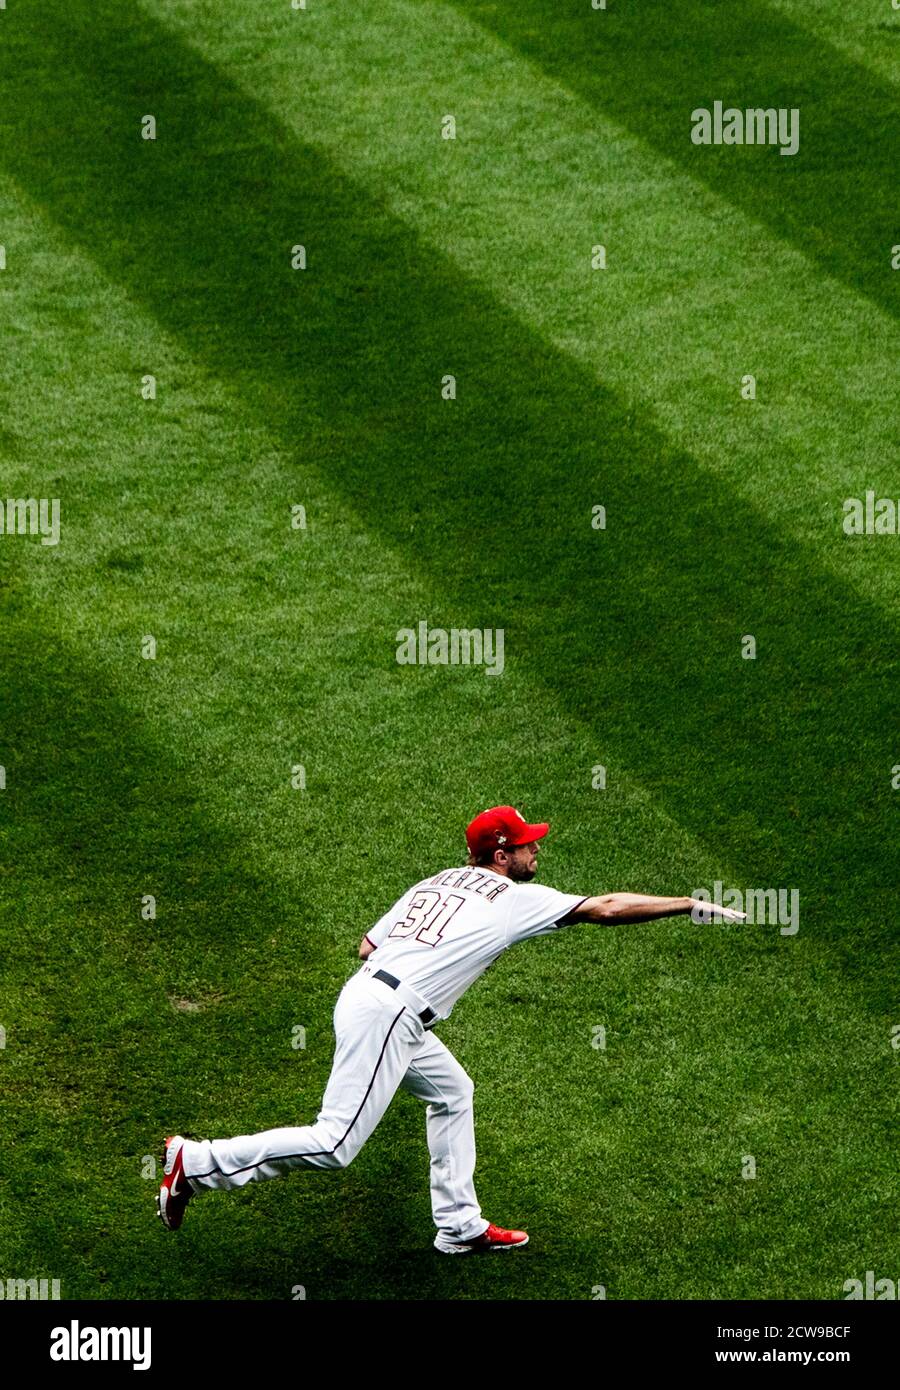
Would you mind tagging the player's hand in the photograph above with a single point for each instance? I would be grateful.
(729, 914)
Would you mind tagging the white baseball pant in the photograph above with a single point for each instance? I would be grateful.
(381, 1044)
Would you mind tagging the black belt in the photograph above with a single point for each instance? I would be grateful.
(427, 1015)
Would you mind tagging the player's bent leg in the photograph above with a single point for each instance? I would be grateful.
(435, 1076)
(374, 1044)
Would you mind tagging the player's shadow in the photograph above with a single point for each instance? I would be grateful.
(648, 66)
(783, 762)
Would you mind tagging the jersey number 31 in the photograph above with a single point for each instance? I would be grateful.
(429, 913)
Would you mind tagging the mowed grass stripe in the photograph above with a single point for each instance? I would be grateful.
(868, 35)
(648, 70)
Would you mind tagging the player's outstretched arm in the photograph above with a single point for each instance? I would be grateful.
(638, 907)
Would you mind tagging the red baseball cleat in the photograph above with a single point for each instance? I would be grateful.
(494, 1238)
(175, 1190)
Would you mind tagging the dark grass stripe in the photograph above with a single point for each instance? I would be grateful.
(647, 64)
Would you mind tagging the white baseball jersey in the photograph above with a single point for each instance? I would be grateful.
(445, 931)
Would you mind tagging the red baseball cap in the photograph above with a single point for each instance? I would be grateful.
(501, 827)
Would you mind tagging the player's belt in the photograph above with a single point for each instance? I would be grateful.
(428, 1016)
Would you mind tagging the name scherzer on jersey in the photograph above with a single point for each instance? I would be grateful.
(445, 932)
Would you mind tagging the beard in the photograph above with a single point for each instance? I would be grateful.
(521, 873)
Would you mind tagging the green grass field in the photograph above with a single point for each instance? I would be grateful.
(321, 387)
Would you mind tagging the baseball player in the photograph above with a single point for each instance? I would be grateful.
(420, 958)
